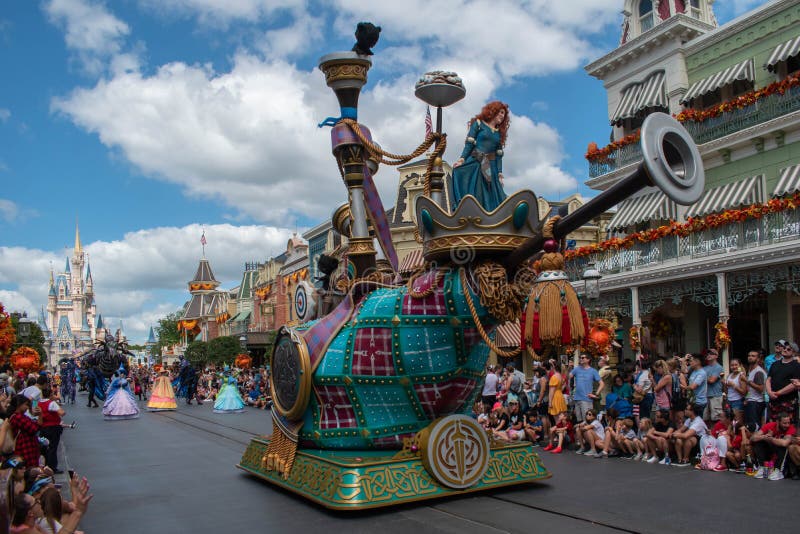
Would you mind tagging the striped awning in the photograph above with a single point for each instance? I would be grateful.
(742, 193)
(651, 206)
(740, 71)
(789, 181)
(783, 52)
(411, 262)
(508, 335)
(650, 93)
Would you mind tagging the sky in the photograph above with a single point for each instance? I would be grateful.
(149, 122)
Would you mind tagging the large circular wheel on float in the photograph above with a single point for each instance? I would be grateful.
(290, 375)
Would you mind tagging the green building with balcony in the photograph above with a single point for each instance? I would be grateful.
(734, 256)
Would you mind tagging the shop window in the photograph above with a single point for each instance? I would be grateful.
(694, 9)
(740, 87)
(792, 65)
(646, 15)
(708, 100)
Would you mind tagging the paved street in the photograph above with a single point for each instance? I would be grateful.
(174, 472)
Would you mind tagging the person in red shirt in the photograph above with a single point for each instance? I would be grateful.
(25, 429)
(562, 434)
(773, 440)
(51, 427)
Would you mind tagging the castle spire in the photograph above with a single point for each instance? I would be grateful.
(78, 248)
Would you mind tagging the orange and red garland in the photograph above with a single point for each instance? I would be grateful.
(722, 339)
(635, 338)
(693, 225)
(594, 154)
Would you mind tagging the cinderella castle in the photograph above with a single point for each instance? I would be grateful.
(70, 323)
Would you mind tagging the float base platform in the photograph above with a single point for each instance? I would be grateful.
(357, 480)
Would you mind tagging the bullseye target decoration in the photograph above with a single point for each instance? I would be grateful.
(304, 301)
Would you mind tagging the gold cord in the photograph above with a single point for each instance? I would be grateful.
(427, 292)
(388, 158)
(497, 350)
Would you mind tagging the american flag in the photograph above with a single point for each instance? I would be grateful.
(203, 239)
(428, 122)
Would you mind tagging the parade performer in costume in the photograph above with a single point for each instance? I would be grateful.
(120, 402)
(163, 397)
(68, 381)
(228, 398)
(479, 170)
(185, 383)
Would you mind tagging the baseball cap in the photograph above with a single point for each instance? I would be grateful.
(781, 342)
(497, 406)
(794, 346)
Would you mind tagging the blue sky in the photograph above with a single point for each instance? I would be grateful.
(148, 120)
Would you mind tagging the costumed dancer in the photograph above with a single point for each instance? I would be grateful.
(162, 397)
(68, 382)
(228, 398)
(120, 402)
(479, 170)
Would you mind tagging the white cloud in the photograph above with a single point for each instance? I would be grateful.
(144, 275)
(8, 209)
(14, 301)
(4, 114)
(92, 32)
(216, 12)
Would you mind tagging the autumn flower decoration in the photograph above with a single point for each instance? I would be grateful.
(722, 339)
(635, 338)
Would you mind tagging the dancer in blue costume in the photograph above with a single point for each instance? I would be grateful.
(479, 170)
(120, 402)
(228, 398)
(185, 383)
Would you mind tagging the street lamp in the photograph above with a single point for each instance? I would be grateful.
(243, 342)
(24, 326)
(591, 283)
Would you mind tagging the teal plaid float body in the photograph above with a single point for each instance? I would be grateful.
(397, 364)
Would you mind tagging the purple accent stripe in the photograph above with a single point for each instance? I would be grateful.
(319, 336)
(378, 217)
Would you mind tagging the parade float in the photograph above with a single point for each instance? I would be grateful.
(372, 400)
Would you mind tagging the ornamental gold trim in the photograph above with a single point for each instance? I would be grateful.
(357, 247)
(478, 241)
(345, 71)
(475, 222)
(343, 480)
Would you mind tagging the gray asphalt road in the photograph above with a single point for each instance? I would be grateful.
(174, 472)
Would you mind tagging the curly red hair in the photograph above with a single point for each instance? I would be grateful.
(489, 111)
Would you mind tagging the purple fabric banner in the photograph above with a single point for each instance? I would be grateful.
(378, 218)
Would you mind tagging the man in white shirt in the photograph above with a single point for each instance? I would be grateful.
(689, 435)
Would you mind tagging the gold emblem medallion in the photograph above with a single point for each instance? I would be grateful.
(455, 451)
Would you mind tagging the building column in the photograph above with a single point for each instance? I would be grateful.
(636, 317)
(724, 314)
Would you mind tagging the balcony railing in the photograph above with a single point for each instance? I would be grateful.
(772, 228)
(763, 110)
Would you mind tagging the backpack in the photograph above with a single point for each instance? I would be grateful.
(710, 458)
(621, 404)
(516, 382)
(677, 399)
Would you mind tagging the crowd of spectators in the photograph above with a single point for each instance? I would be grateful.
(31, 412)
(681, 411)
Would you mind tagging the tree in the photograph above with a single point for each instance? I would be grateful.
(197, 353)
(167, 332)
(34, 340)
(223, 349)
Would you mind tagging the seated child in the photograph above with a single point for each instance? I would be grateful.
(560, 435)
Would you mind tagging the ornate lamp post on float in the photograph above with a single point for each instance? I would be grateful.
(439, 95)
